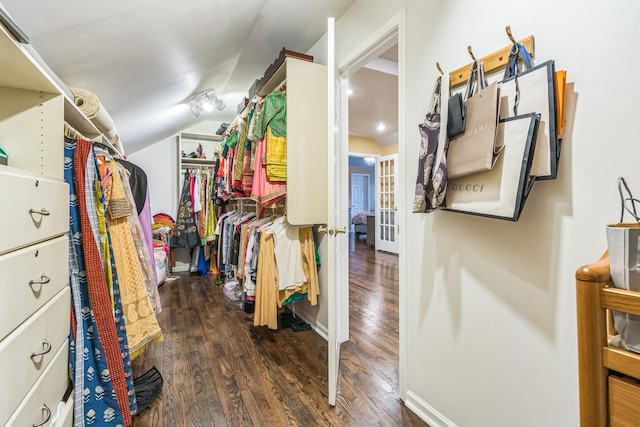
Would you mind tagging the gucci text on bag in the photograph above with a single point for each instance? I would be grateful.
(475, 188)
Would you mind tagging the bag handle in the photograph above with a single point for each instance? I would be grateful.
(434, 107)
(624, 200)
(517, 55)
(476, 74)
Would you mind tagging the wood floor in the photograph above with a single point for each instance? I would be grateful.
(220, 370)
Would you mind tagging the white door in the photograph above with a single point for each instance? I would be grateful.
(386, 209)
(359, 193)
(337, 262)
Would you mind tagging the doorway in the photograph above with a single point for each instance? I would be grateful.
(373, 117)
(359, 194)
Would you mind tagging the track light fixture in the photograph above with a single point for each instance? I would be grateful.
(206, 100)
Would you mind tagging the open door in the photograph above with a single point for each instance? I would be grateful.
(386, 209)
(337, 262)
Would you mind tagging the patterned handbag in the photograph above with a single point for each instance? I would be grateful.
(431, 183)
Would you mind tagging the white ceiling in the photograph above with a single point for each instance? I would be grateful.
(375, 99)
(146, 59)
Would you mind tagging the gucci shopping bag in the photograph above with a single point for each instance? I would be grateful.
(502, 191)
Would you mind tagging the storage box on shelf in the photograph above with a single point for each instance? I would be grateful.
(34, 312)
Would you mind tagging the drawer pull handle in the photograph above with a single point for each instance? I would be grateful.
(46, 348)
(47, 416)
(42, 212)
(44, 279)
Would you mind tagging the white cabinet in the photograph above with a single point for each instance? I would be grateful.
(34, 311)
(307, 131)
(307, 181)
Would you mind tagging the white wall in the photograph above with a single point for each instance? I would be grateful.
(491, 329)
(160, 161)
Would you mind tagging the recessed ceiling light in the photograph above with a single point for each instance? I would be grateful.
(349, 92)
(381, 127)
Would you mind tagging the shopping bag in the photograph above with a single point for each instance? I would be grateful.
(431, 183)
(475, 149)
(501, 192)
(623, 243)
(533, 90)
(561, 91)
(456, 122)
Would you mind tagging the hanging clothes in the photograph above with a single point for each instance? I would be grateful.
(202, 216)
(276, 158)
(142, 326)
(287, 253)
(186, 231)
(263, 190)
(266, 309)
(103, 380)
(140, 192)
(272, 125)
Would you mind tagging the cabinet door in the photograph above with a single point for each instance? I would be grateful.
(306, 142)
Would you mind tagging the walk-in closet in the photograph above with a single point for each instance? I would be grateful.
(318, 213)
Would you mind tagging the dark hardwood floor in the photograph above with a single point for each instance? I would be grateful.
(220, 370)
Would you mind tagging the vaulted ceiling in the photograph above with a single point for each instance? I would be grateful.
(146, 59)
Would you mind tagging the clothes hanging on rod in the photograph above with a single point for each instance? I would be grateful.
(111, 298)
(275, 262)
(133, 263)
(186, 233)
(98, 341)
(254, 153)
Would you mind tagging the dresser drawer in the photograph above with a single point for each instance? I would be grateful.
(44, 397)
(18, 370)
(20, 272)
(33, 209)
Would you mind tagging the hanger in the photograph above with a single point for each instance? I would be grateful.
(439, 69)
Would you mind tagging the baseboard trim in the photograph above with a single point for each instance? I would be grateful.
(320, 329)
(427, 413)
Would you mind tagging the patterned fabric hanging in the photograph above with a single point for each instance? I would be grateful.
(96, 400)
(141, 324)
(431, 182)
(186, 232)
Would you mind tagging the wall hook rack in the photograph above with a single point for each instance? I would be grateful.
(493, 62)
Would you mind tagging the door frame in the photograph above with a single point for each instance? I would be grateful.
(393, 31)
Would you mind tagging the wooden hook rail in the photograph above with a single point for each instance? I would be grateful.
(492, 62)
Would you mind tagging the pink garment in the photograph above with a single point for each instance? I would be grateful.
(263, 190)
(145, 222)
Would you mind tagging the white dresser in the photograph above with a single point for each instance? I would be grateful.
(34, 217)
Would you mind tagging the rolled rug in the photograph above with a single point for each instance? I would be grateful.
(90, 105)
(117, 144)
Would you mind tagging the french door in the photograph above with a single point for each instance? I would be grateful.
(386, 209)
